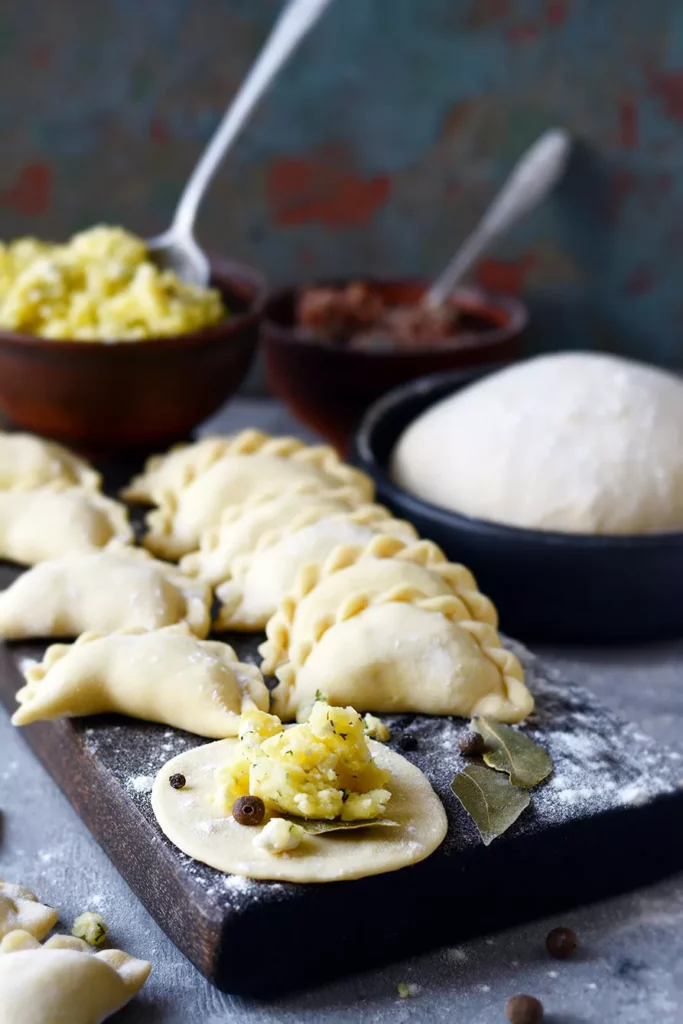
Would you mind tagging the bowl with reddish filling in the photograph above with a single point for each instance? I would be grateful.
(332, 348)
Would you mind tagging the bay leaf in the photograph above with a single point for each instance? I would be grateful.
(318, 826)
(511, 751)
(490, 799)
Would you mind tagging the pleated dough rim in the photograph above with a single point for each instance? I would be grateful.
(233, 515)
(231, 592)
(142, 488)
(508, 666)
(160, 522)
(471, 603)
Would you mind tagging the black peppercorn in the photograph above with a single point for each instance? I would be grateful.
(524, 1010)
(177, 781)
(471, 744)
(407, 742)
(561, 943)
(248, 810)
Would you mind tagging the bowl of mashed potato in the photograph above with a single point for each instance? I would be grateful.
(99, 346)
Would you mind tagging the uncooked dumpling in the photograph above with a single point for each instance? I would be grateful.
(386, 569)
(261, 579)
(104, 591)
(19, 908)
(242, 528)
(416, 656)
(193, 822)
(64, 980)
(27, 462)
(273, 466)
(574, 442)
(170, 473)
(167, 676)
(50, 522)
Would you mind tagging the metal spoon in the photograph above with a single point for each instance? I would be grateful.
(177, 249)
(532, 178)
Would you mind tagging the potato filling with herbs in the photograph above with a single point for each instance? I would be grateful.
(102, 285)
(322, 768)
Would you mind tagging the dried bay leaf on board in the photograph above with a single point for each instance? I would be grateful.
(490, 799)
(509, 750)
(318, 826)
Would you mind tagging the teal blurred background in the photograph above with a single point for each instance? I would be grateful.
(378, 149)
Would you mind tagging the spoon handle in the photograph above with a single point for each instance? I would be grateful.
(531, 179)
(293, 24)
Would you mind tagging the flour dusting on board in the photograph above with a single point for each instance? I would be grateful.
(600, 764)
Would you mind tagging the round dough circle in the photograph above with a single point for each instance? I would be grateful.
(188, 818)
(573, 442)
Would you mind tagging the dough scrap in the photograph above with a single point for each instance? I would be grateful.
(255, 465)
(167, 676)
(261, 579)
(20, 909)
(27, 462)
(172, 472)
(416, 655)
(50, 522)
(242, 527)
(64, 980)
(103, 592)
(573, 442)
(189, 817)
(351, 577)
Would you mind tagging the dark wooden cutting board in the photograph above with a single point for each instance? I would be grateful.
(610, 818)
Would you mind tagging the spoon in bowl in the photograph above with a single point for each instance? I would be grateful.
(176, 249)
(531, 179)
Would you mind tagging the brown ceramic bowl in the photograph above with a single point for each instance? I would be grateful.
(329, 387)
(133, 394)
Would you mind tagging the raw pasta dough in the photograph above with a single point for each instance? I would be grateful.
(574, 442)
(386, 569)
(19, 908)
(261, 579)
(270, 467)
(27, 462)
(64, 981)
(190, 818)
(104, 591)
(167, 676)
(46, 523)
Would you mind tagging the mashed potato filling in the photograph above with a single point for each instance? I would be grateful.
(322, 768)
(99, 286)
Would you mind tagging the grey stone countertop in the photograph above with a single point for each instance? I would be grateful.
(630, 966)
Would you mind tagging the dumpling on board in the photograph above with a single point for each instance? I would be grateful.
(50, 522)
(254, 466)
(19, 908)
(392, 628)
(167, 676)
(171, 472)
(64, 980)
(385, 568)
(118, 588)
(414, 656)
(242, 528)
(27, 462)
(262, 578)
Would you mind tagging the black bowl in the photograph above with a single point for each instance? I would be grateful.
(549, 587)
